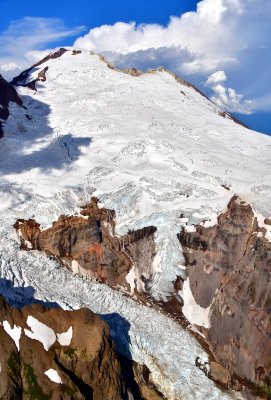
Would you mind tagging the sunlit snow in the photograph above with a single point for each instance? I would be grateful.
(65, 338)
(14, 333)
(191, 310)
(40, 332)
(152, 149)
(53, 375)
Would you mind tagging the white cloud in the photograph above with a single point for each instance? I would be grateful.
(224, 35)
(9, 70)
(27, 35)
(227, 98)
(168, 57)
(216, 33)
(218, 76)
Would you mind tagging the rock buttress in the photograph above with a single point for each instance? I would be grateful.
(76, 350)
(229, 267)
(87, 245)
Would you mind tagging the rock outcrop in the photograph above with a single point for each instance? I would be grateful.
(23, 78)
(55, 354)
(229, 267)
(7, 94)
(87, 245)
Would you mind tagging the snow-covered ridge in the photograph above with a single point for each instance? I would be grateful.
(148, 146)
(151, 148)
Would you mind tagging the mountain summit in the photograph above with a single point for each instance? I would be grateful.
(134, 195)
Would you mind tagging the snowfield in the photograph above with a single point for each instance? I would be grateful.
(158, 153)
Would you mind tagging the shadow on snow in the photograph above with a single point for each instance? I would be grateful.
(29, 142)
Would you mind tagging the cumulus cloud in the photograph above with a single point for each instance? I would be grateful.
(221, 35)
(25, 36)
(227, 98)
(218, 76)
(168, 57)
(216, 33)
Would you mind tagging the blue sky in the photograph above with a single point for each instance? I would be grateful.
(221, 46)
(91, 13)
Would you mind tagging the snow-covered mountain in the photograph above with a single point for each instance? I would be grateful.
(157, 152)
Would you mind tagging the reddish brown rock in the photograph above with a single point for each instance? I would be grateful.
(219, 374)
(229, 267)
(86, 363)
(87, 245)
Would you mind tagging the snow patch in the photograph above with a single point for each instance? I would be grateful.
(131, 278)
(75, 267)
(40, 332)
(211, 222)
(53, 375)
(261, 224)
(194, 313)
(14, 333)
(65, 338)
(190, 228)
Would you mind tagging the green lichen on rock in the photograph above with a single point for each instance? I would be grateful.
(70, 352)
(69, 391)
(33, 389)
(14, 364)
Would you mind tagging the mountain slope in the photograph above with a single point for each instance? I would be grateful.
(151, 148)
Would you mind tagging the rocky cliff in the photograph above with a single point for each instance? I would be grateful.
(7, 94)
(229, 267)
(87, 245)
(53, 354)
(56, 354)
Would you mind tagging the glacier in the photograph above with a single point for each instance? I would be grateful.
(157, 152)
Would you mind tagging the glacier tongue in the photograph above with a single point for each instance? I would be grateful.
(152, 338)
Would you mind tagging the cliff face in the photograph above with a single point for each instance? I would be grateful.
(56, 354)
(229, 267)
(87, 245)
(7, 94)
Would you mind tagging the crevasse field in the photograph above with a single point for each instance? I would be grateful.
(149, 147)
